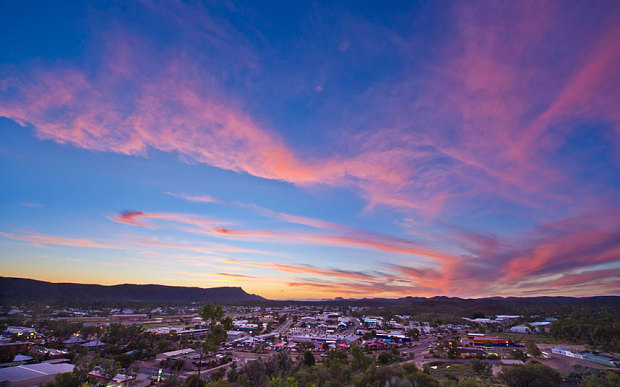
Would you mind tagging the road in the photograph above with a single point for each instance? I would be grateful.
(356, 325)
(284, 327)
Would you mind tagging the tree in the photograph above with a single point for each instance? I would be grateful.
(480, 367)
(232, 374)
(414, 333)
(518, 355)
(67, 379)
(469, 382)
(533, 349)
(453, 350)
(530, 375)
(384, 358)
(279, 382)
(308, 359)
(360, 361)
(218, 326)
(255, 371)
(609, 379)
(193, 380)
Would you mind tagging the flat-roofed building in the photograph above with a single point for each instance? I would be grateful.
(32, 374)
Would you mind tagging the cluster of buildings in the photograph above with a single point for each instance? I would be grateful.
(256, 330)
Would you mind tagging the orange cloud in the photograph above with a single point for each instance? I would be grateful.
(347, 289)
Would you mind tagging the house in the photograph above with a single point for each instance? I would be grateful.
(73, 340)
(373, 322)
(93, 344)
(117, 380)
(19, 331)
(520, 329)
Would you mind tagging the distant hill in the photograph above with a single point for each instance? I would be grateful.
(489, 306)
(21, 289)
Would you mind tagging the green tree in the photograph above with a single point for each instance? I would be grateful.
(469, 382)
(533, 349)
(414, 333)
(518, 355)
(218, 324)
(384, 358)
(608, 379)
(360, 361)
(530, 375)
(67, 379)
(193, 381)
(279, 382)
(308, 359)
(480, 367)
(453, 350)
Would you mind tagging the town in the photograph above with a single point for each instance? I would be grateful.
(234, 345)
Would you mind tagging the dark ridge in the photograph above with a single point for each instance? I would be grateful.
(28, 290)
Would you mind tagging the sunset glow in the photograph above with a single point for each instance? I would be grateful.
(304, 150)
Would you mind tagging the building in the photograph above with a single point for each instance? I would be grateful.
(94, 344)
(32, 374)
(566, 352)
(117, 381)
(180, 352)
(496, 341)
(129, 317)
(471, 351)
(520, 329)
(73, 340)
(585, 355)
(19, 331)
(600, 359)
(235, 335)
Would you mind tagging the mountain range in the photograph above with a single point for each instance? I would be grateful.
(22, 289)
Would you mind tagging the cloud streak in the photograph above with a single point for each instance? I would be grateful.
(39, 239)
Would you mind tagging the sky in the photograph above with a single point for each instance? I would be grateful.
(313, 149)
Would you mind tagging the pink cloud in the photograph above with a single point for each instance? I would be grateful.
(45, 239)
(31, 205)
(556, 248)
(307, 269)
(356, 238)
(586, 277)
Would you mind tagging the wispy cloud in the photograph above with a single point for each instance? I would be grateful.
(355, 238)
(45, 239)
(31, 205)
(307, 269)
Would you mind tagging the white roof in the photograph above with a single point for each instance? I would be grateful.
(177, 353)
(30, 371)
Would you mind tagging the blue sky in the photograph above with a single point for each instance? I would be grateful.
(313, 150)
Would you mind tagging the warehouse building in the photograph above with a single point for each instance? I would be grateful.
(32, 374)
